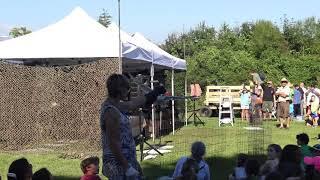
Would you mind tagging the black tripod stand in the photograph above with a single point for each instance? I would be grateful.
(196, 119)
(142, 138)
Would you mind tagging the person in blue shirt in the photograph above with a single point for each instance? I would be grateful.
(296, 101)
(245, 100)
(198, 150)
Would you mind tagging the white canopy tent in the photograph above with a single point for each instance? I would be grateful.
(75, 36)
(161, 57)
(79, 36)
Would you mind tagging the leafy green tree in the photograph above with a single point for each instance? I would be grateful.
(265, 35)
(226, 57)
(19, 31)
(104, 18)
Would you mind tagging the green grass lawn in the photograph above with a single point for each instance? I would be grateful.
(223, 144)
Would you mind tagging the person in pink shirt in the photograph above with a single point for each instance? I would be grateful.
(313, 161)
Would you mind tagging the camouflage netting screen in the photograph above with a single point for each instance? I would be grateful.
(52, 107)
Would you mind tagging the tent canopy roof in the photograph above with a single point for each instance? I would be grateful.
(80, 36)
(75, 36)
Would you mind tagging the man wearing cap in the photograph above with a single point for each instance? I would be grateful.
(283, 92)
(268, 99)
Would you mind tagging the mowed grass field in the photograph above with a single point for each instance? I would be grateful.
(223, 145)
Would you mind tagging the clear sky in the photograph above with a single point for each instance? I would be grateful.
(155, 18)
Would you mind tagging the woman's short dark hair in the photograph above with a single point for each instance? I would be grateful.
(114, 83)
(18, 169)
(198, 149)
(42, 174)
(289, 154)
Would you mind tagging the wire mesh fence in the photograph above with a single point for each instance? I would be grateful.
(52, 107)
(223, 144)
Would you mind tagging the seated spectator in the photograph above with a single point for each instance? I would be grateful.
(239, 172)
(315, 161)
(42, 174)
(198, 150)
(189, 170)
(302, 141)
(290, 162)
(90, 168)
(252, 169)
(271, 165)
(20, 169)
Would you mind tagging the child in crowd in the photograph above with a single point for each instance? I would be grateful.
(239, 172)
(252, 169)
(20, 169)
(245, 103)
(42, 174)
(189, 170)
(271, 165)
(90, 168)
(302, 141)
(198, 150)
(290, 162)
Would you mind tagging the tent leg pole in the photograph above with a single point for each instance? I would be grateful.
(172, 91)
(185, 101)
(152, 111)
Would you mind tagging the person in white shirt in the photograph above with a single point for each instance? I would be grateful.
(313, 91)
(283, 93)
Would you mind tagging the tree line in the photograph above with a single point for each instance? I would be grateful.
(226, 56)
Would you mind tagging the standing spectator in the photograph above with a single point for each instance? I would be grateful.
(198, 150)
(119, 149)
(303, 91)
(290, 162)
(283, 92)
(245, 103)
(312, 91)
(297, 97)
(268, 99)
(20, 169)
(256, 103)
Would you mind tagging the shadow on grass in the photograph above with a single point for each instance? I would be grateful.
(220, 167)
